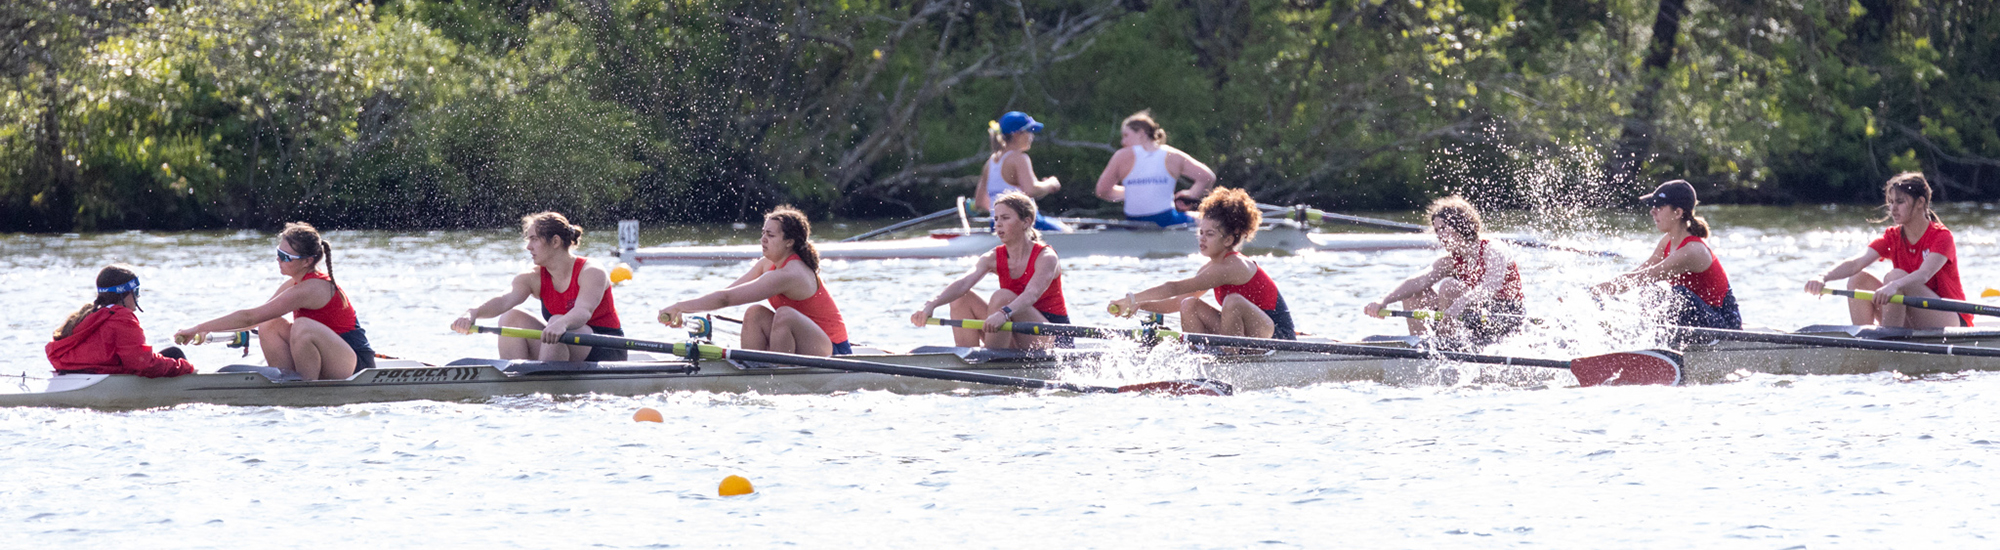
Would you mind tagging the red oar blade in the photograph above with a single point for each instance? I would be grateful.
(1629, 368)
(1197, 386)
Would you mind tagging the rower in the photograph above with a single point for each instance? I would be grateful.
(1008, 167)
(1144, 173)
(802, 318)
(104, 336)
(1030, 283)
(575, 295)
(324, 339)
(1248, 302)
(1923, 261)
(1476, 285)
(1700, 295)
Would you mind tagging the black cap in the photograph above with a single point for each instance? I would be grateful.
(1674, 193)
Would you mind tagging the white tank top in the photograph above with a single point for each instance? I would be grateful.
(995, 185)
(1149, 187)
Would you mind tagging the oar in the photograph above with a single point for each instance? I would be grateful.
(1645, 367)
(1308, 214)
(1199, 386)
(892, 228)
(1939, 304)
(1791, 339)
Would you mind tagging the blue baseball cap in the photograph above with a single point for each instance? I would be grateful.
(1015, 121)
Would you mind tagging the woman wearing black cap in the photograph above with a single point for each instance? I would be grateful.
(1701, 295)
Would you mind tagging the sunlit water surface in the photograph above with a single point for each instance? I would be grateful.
(1767, 462)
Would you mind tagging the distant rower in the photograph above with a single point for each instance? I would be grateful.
(1700, 295)
(575, 296)
(1144, 173)
(1923, 261)
(1476, 285)
(802, 317)
(324, 339)
(1008, 168)
(1030, 282)
(1249, 302)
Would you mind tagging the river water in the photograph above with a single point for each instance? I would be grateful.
(1765, 462)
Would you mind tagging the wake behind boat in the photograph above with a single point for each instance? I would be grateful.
(645, 374)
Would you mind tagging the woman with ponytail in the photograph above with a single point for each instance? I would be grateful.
(802, 317)
(1923, 261)
(1030, 283)
(575, 296)
(323, 340)
(104, 336)
(1700, 289)
(1144, 173)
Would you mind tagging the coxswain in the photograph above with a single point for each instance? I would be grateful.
(1030, 283)
(1145, 171)
(1008, 167)
(1476, 285)
(575, 295)
(1247, 301)
(1699, 295)
(1923, 260)
(104, 336)
(323, 340)
(802, 318)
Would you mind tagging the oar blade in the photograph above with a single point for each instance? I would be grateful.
(1629, 368)
(1193, 386)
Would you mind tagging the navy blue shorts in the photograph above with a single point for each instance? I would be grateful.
(1281, 321)
(1171, 217)
(1691, 311)
(364, 355)
(844, 348)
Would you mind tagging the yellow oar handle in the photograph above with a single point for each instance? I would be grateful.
(1859, 295)
(705, 351)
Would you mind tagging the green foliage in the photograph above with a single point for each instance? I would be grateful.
(417, 113)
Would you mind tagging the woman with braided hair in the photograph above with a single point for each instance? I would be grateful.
(323, 340)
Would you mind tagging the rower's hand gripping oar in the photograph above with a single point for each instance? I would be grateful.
(1305, 214)
(1643, 367)
(709, 351)
(1939, 304)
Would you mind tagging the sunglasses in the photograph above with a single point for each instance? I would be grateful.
(288, 257)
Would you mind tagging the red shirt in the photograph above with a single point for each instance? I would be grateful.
(1711, 285)
(109, 341)
(1051, 302)
(1473, 271)
(558, 303)
(819, 307)
(336, 314)
(1904, 255)
(1259, 290)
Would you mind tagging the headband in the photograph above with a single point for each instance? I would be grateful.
(121, 289)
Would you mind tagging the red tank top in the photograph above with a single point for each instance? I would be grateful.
(1051, 302)
(1711, 285)
(337, 314)
(558, 303)
(1474, 271)
(819, 307)
(1909, 257)
(1259, 290)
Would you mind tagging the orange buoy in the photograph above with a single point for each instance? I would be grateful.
(733, 486)
(647, 414)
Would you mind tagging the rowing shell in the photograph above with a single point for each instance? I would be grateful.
(484, 379)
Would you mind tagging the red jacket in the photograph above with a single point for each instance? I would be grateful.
(109, 341)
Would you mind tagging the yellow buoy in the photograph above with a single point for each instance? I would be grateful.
(647, 414)
(1991, 292)
(734, 485)
(621, 273)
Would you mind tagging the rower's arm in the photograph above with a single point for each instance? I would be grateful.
(1854, 265)
(1024, 177)
(518, 292)
(1192, 169)
(962, 285)
(1932, 263)
(1210, 276)
(309, 294)
(589, 295)
(1418, 282)
(763, 287)
(1108, 187)
(1625, 281)
(1046, 271)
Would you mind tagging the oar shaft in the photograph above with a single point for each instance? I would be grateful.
(718, 352)
(1833, 342)
(921, 219)
(1316, 215)
(1939, 304)
(1258, 343)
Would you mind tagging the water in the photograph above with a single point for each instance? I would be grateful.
(1768, 462)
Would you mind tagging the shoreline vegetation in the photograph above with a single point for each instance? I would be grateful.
(405, 114)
